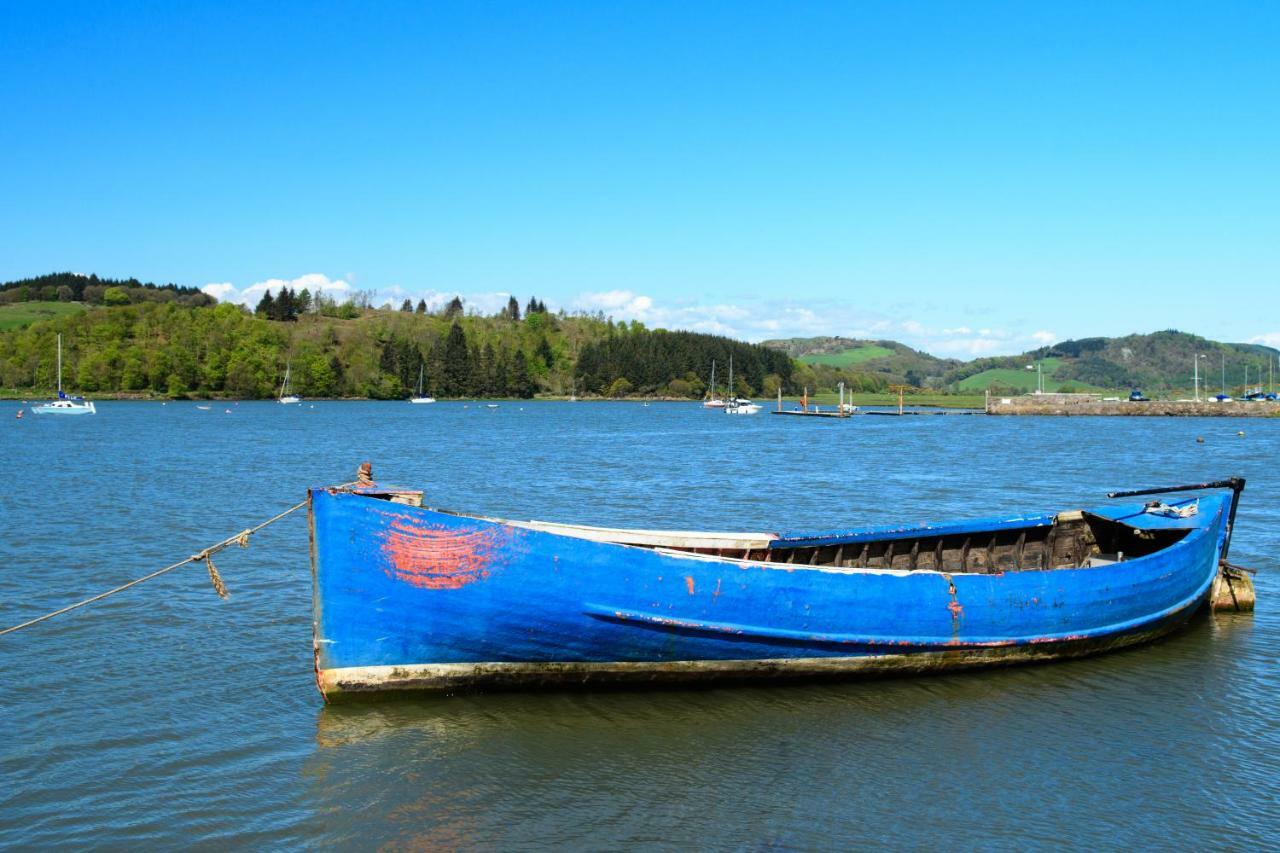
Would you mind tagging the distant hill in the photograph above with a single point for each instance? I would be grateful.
(880, 362)
(1160, 362)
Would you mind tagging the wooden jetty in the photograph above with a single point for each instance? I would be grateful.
(804, 411)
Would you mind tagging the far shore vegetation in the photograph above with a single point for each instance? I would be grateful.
(133, 340)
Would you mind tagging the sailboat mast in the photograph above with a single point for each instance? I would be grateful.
(713, 379)
(59, 364)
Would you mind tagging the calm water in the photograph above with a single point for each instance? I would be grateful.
(164, 716)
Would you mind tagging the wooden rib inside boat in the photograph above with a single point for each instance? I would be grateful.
(1072, 540)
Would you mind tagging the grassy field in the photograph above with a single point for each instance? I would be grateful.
(1022, 379)
(857, 355)
(25, 313)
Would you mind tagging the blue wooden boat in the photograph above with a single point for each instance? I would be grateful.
(413, 598)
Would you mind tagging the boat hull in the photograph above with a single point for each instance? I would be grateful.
(408, 598)
(64, 410)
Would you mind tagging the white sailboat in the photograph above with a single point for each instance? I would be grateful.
(64, 405)
(713, 402)
(285, 396)
(735, 405)
(419, 397)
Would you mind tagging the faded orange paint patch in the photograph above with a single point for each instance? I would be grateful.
(688, 582)
(433, 557)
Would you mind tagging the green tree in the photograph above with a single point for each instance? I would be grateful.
(521, 384)
(456, 373)
(266, 306)
(115, 296)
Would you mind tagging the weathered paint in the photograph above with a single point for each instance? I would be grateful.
(417, 599)
(431, 556)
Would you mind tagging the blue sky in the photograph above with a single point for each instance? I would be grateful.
(970, 178)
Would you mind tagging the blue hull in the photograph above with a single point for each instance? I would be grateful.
(411, 598)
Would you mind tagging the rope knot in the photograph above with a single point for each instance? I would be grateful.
(216, 579)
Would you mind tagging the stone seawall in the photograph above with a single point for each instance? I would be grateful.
(1066, 405)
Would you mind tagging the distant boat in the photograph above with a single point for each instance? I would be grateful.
(713, 402)
(204, 408)
(491, 405)
(412, 598)
(64, 405)
(418, 396)
(285, 396)
(737, 405)
(741, 406)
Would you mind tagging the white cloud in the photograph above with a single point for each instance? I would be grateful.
(752, 319)
(315, 282)
(220, 291)
(621, 304)
(1271, 339)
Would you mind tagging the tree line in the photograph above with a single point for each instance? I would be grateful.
(350, 349)
(632, 359)
(92, 290)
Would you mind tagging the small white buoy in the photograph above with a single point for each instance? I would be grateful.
(1199, 439)
(1240, 433)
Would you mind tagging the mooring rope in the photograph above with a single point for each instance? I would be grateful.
(205, 556)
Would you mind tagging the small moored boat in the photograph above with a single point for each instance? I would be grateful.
(419, 396)
(285, 397)
(409, 597)
(64, 404)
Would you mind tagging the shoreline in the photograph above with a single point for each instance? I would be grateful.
(870, 399)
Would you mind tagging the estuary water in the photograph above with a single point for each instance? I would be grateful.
(166, 717)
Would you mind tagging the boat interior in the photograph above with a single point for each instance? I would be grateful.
(1073, 540)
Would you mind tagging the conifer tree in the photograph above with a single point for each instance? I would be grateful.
(422, 306)
(406, 306)
(456, 373)
(454, 308)
(266, 306)
(545, 353)
(521, 383)
(513, 309)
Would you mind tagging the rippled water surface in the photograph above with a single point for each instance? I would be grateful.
(164, 716)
